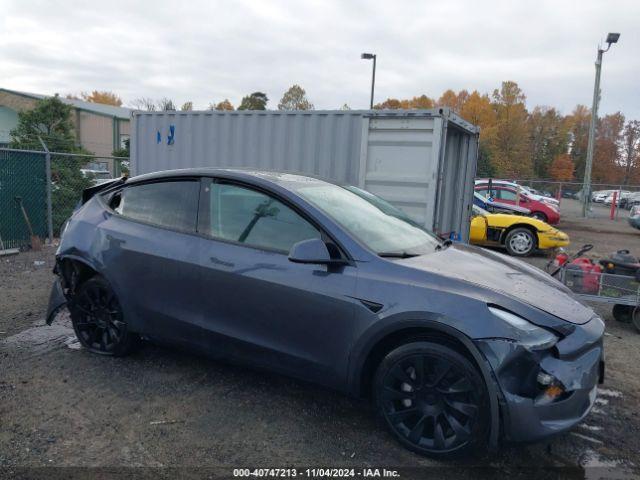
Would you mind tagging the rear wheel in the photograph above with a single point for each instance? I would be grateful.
(520, 242)
(432, 399)
(98, 320)
(623, 313)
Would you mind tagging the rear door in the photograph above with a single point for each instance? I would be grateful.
(153, 256)
(258, 305)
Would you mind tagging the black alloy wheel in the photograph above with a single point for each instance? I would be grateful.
(432, 399)
(98, 320)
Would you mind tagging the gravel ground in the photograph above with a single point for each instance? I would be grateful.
(63, 407)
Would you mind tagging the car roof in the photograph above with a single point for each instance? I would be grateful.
(288, 180)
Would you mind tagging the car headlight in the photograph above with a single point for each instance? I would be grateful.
(527, 334)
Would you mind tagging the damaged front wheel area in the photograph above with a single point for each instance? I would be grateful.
(98, 320)
(433, 400)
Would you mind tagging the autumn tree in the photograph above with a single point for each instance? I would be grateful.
(255, 101)
(509, 144)
(449, 99)
(421, 102)
(223, 105)
(391, 103)
(187, 106)
(607, 150)
(295, 99)
(561, 168)
(104, 97)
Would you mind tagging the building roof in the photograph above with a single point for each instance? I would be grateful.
(98, 108)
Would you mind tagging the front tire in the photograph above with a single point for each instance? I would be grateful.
(98, 320)
(520, 242)
(433, 400)
(541, 216)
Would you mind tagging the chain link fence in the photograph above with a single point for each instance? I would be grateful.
(39, 190)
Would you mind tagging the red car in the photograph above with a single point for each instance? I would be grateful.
(507, 195)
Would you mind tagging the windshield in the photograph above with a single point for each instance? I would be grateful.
(379, 225)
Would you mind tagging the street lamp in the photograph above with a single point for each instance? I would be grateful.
(371, 56)
(586, 187)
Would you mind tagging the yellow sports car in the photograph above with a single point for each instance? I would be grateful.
(518, 234)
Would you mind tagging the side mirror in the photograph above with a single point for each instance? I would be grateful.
(313, 250)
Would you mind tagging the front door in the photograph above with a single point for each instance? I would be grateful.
(259, 305)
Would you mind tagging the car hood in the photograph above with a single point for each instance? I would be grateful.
(505, 219)
(507, 276)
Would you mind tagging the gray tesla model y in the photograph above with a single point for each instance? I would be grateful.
(457, 347)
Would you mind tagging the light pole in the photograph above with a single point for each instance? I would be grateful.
(371, 56)
(586, 187)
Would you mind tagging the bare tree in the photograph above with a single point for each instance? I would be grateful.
(144, 103)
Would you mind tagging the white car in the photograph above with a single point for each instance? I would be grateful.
(599, 196)
(98, 176)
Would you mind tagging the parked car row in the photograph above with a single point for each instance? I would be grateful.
(510, 216)
(509, 193)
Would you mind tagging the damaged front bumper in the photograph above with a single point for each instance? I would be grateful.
(57, 300)
(546, 392)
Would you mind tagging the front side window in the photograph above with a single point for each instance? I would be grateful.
(377, 224)
(247, 216)
(166, 204)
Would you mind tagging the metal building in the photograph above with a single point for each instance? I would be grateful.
(422, 161)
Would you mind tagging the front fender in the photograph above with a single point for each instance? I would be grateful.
(431, 321)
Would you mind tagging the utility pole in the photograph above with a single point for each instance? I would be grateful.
(586, 187)
(371, 56)
(47, 163)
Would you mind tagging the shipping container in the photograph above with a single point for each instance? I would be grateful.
(422, 161)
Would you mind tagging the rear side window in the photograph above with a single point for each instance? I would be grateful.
(507, 195)
(166, 204)
(251, 217)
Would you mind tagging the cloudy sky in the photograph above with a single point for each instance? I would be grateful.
(206, 51)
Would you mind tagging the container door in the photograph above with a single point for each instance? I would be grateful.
(399, 162)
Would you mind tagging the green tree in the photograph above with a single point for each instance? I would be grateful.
(187, 106)
(548, 139)
(50, 120)
(123, 152)
(295, 99)
(577, 124)
(255, 101)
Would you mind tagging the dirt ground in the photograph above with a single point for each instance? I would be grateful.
(63, 407)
